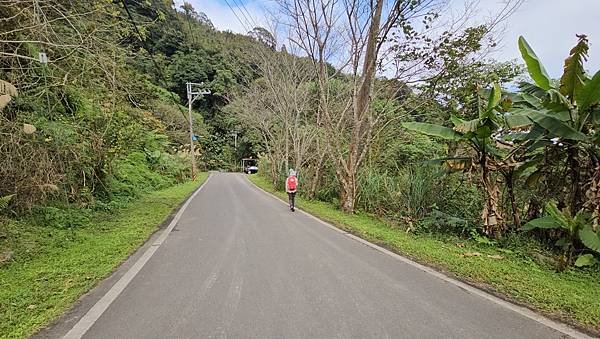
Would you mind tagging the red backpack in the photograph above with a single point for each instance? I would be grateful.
(292, 183)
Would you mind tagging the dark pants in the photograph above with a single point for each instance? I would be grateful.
(291, 195)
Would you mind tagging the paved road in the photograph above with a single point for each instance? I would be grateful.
(240, 265)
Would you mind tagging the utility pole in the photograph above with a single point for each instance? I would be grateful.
(235, 135)
(194, 91)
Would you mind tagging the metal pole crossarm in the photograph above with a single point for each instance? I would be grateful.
(192, 96)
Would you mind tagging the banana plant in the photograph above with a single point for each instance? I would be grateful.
(480, 134)
(591, 240)
(575, 228)
(561, 119)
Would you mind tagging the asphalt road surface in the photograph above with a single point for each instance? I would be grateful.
(239, 264)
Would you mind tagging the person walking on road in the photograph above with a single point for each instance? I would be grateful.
(291, 185)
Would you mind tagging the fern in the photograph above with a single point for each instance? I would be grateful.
(4, 201)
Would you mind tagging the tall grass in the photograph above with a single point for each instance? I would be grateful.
(420, 189)
(410, 192)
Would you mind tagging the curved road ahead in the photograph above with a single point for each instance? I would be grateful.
(239, 264)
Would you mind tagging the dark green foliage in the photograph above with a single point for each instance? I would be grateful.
(111, 116)
(438, 222)
(133, 175)
(61, 218)
(186, 67)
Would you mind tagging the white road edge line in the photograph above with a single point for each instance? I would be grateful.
(94, 313)
(565, 329)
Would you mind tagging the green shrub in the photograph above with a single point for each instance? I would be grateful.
(379, 192)
(439, 222)
(456, 208)
(459, 197)
(419, 189)
(61, 218)
(111, 205)
(173, 166)
(328, 189)
(417, 194)
(410, 193)
(132, 175)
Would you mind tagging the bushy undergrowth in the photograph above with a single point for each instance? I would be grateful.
(423, 196)
(409, 192)
(82, 155)
(134, 174)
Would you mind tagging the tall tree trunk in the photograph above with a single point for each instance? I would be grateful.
(348, 193)
(361, 122)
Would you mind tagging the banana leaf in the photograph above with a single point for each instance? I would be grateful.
(555, 126)
(534, 66)
(590, 238)
(495, 96)
(467, 126)
(433, 130)
(586, 260)
(543, 222)
(590, 93)
(574, 75)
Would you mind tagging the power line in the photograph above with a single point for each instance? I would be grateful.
(249, 18)
(156, 66)
(238, 18)
(244, 26)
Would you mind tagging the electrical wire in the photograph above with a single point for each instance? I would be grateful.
(238, 18)
(249, 18)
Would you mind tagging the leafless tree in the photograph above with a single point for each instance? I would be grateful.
(348, 35)
(279, 106)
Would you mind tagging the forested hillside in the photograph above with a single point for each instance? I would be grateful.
(106, 116)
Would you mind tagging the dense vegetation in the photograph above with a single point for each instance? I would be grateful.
(396, 113)
(94, 142)
(105, 118)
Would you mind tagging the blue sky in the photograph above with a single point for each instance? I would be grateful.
(548, 25)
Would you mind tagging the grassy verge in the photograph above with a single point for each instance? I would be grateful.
(54, 267)
(572, 296)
